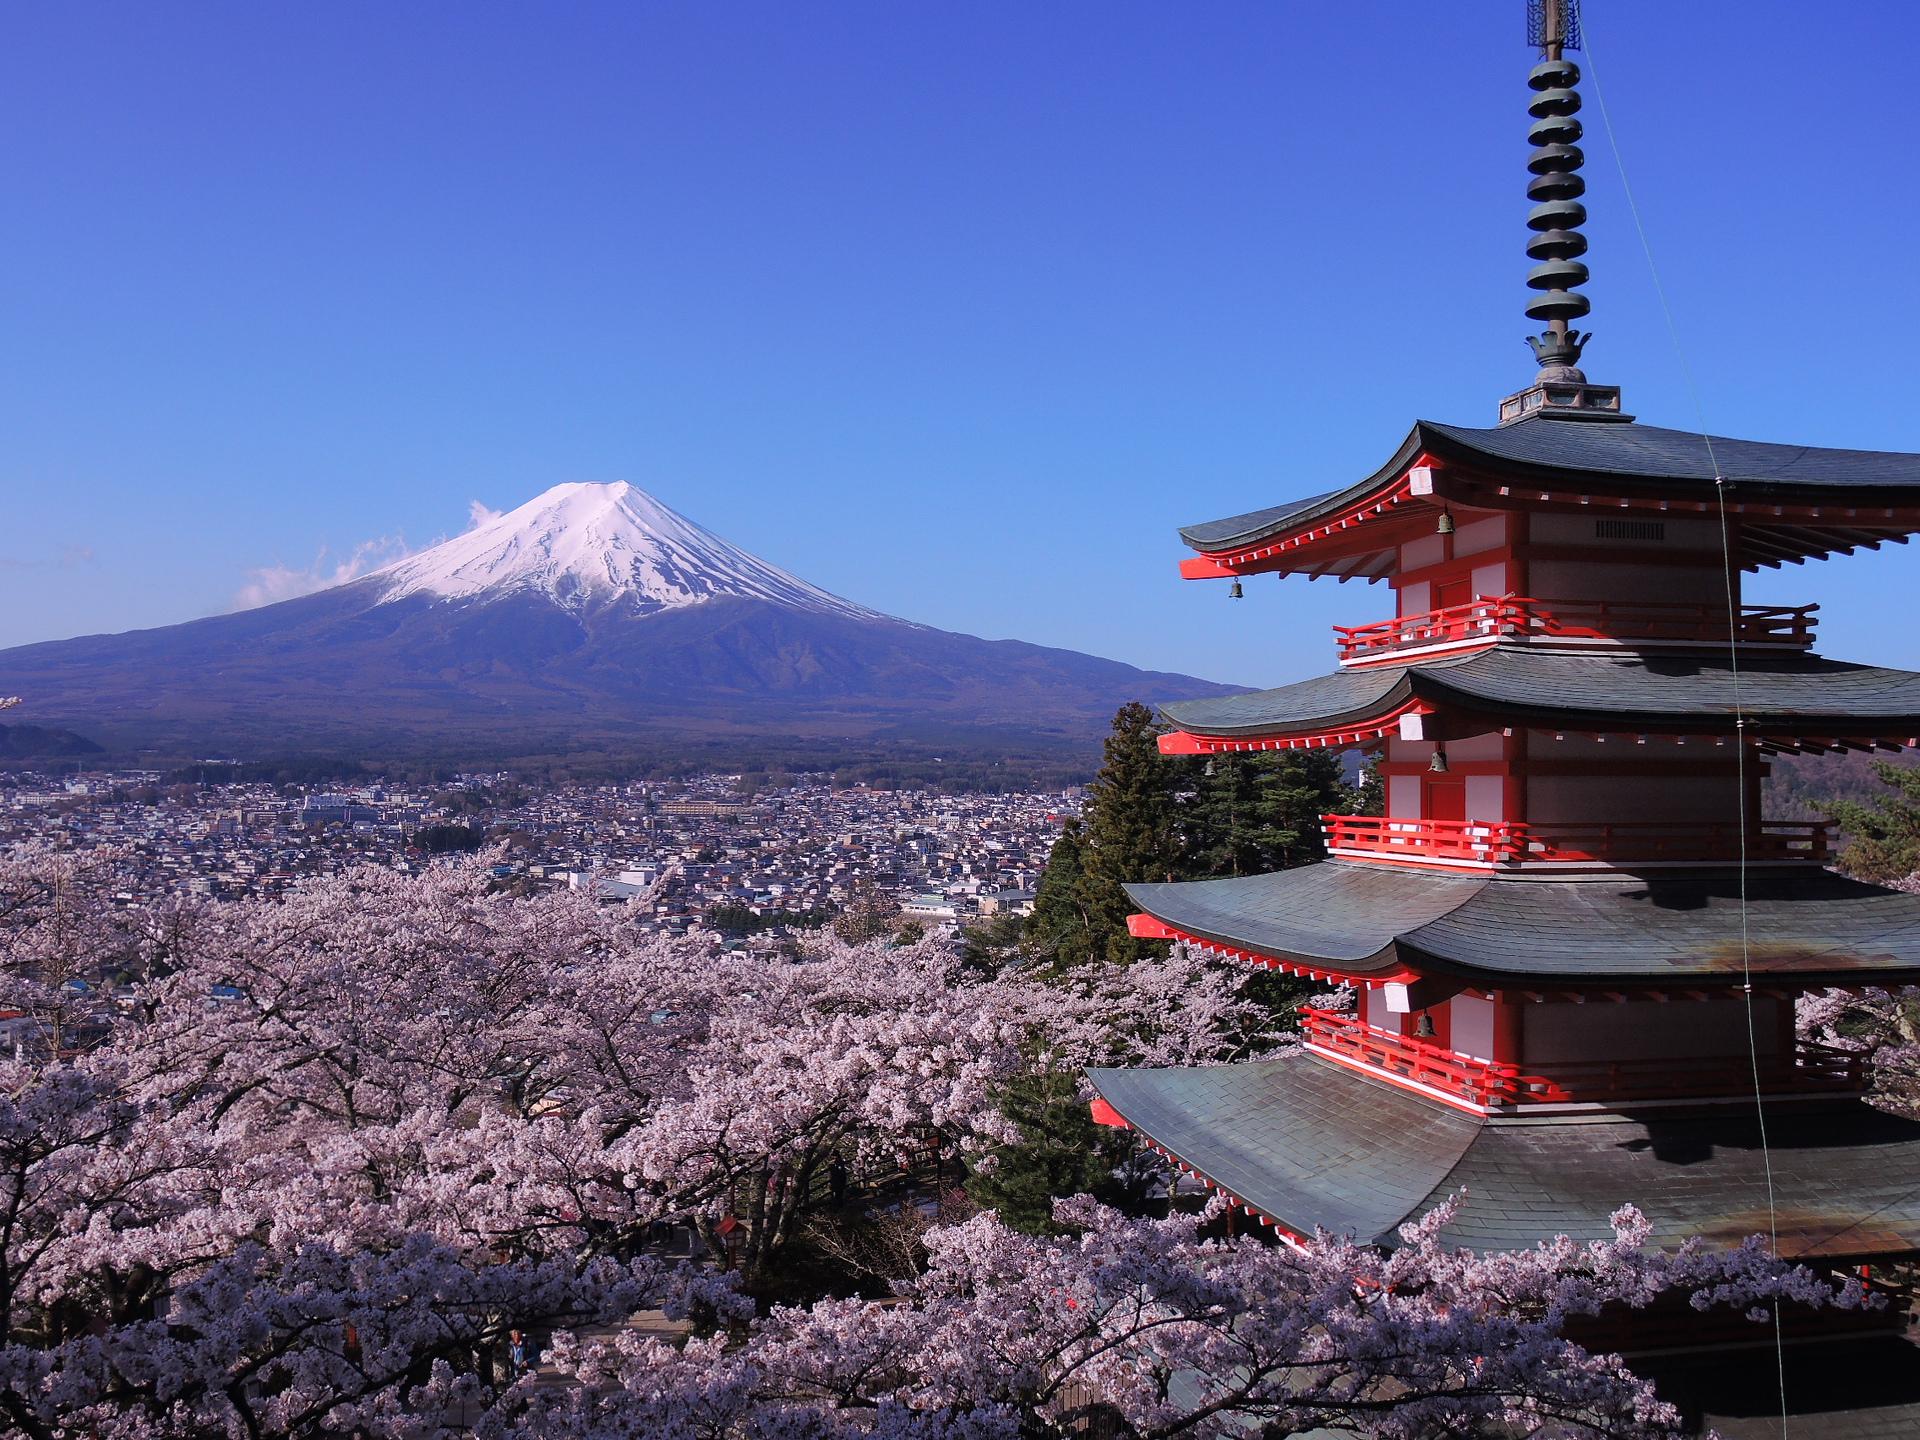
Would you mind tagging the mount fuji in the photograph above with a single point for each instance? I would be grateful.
(591, 620)
(584, 546)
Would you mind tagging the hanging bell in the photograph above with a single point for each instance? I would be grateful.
(1446, 523)
(1425, 1028)
(1236, 593)
(1438, 765)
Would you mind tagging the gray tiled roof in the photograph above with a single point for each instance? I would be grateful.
(1561, 449)
(1302, 1141)
(1654, 928)
(1651, 452)
(1846, 1179)
(1338, 911)
(1781, 693)
(1224, 532)
(1309, 702)
(1877, 1422)
(1313, 1144)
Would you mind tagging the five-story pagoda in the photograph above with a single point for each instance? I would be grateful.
(1575, 941)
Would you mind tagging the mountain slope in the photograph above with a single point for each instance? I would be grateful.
(591, 618)
(36, 743)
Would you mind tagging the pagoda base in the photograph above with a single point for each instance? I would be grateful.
(1852, 1389)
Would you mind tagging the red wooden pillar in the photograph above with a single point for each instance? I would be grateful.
(1508, 1012)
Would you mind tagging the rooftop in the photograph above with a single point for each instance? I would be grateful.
(1312, 1145)
(1663, 928)
(1854, 492)
(1617, 691)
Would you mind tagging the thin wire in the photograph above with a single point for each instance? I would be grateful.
(1739, 712)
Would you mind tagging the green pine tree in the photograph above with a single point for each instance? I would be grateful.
(1222, 818)
(1132, 833)
(1062, 1151)
(1253, 814)
(1885, 836)
(1058, 925)
(1371, 796)
(1299, 786)
(993, 944)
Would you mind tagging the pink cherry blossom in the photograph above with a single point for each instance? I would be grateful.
(308, 1171)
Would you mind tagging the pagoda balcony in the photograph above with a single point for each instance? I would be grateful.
(1485, 1084)
(1504, 844)
(1573, 624)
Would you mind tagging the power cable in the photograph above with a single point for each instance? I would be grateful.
(1720, 486)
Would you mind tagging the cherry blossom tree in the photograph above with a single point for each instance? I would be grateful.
(1883, 1024)
(167, 1275)
(1010, 1336)
(60, 940)
(330, 1151)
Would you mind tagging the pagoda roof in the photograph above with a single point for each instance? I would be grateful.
(1634, 691)
(1314, 1145)
(1826, 489)
(1663, 928)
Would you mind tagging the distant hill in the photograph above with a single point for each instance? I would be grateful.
(1800, 787)
(591, 620)
(38, 742)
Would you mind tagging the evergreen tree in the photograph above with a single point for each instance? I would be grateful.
(1885, 843)
(1222, 818)
(990, 946)
(1058, 925)
(1252, 814)
(1062, 1151)
(1132, 834)
(1300, 786)
(1371, 796)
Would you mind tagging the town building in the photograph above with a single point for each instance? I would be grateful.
(672, 850)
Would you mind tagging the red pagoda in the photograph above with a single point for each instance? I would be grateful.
(1575, 940)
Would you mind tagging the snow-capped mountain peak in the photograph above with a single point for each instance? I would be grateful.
(585, 545)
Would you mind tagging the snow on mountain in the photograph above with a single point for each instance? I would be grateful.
(586, 545)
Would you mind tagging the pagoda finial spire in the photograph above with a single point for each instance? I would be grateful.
(1553, 26)
(1557, 215)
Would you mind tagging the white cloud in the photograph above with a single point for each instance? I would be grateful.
(270, 584)
(479, 513)
(71, 556)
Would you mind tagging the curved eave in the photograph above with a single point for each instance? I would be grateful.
(1619, 694)
(1348, 700)
(1400, 963)
(1381, 967)
(1827, 477)
(1376, 923)
(1779, 520)
(1260, 526)
(1312, 1145)
(1303, 1144)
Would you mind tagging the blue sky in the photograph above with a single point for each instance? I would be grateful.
(957, 309)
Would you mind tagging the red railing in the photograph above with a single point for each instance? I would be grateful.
(1479, 842)
(1513, 842)
(1485, 621)
(1810, 1067)
(1480, 1082)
